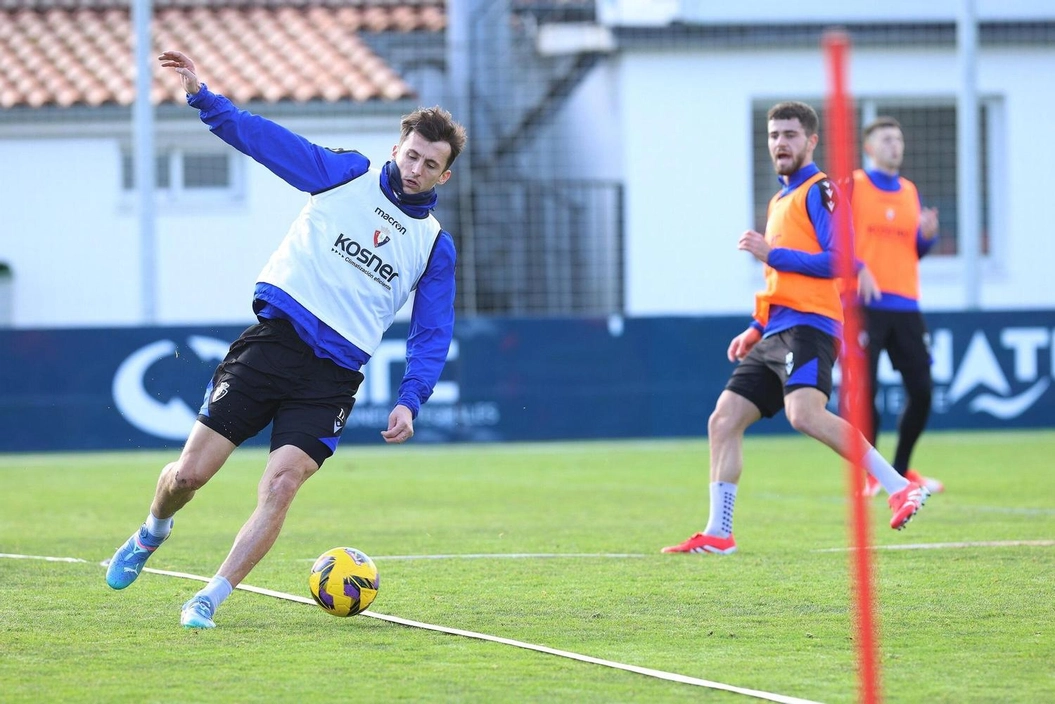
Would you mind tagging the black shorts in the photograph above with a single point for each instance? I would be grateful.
(779, 364)
(270, 375)
(904, 336)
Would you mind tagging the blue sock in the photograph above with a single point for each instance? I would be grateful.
(723, 499)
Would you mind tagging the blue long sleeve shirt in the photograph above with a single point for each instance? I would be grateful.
(314, 169)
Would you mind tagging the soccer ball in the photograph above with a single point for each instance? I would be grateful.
(344, 581)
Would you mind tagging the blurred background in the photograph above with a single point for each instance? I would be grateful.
(617, 150)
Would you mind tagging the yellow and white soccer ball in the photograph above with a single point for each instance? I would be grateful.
(344, 581)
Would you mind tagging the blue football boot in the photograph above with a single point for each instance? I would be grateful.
(197, 613)
(129, 559)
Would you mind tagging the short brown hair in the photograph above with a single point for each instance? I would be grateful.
(794, 110)
(435, 125)
(879, 123)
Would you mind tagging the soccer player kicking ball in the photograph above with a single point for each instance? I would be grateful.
(787, 354)
(365, 239)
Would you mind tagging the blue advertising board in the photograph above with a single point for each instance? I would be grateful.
(505, 380)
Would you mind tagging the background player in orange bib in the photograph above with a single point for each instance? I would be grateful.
(893, 231)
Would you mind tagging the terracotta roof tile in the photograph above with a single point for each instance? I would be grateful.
(41, 5)
(79, 52)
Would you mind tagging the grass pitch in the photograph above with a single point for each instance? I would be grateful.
(958, 624)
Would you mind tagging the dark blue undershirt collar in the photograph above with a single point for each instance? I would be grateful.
(884, 181)
(798, 178)
(416, 205)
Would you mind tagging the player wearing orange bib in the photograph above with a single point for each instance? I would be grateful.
(787, 354)
(893, 231)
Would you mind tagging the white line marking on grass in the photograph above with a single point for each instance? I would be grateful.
(41, 557)
(944, 546)
(1012, 510)
(672, 677)
(509, 555)
(659, 674)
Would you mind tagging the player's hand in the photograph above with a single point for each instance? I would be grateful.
(400, 426)
(742, 344)
(755, 243)
(928, 223)
(867, 287)
(184, 67)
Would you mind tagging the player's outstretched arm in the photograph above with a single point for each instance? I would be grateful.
(300, 163)
(184, 67)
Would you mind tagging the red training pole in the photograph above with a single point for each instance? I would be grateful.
(855, 391)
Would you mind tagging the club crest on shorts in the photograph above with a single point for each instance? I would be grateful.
(789, 362)
(220, 391)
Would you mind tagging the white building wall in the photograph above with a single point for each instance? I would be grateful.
(1018, 276)
(583, 139)
(685, 124)
(73, 261)
(71, 236)
(687, 131)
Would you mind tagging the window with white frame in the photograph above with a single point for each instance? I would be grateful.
(187, 175)
(930, 159)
